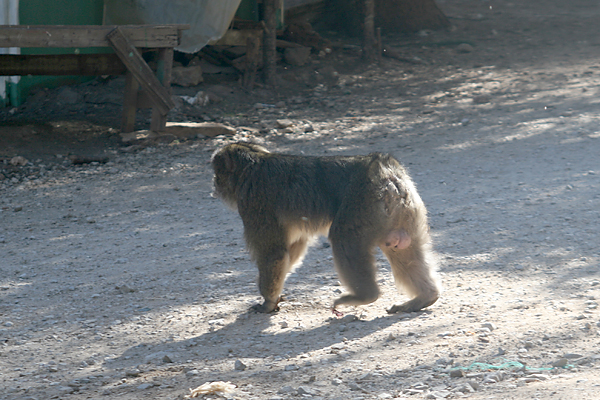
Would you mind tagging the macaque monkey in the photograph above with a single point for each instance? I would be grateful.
(359, 202)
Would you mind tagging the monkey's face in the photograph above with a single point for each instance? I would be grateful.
(223, 184)
(229, 164)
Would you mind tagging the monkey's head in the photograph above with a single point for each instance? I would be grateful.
(229, 164)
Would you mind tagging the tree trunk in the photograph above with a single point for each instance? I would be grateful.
(369, 31)
(270, 40)
(392, 16)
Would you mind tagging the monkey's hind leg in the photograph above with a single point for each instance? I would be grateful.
(355, 265)
(415, 270)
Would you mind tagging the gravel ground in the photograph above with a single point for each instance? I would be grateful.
(126, 280)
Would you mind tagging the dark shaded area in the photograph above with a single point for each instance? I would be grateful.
(392, 16)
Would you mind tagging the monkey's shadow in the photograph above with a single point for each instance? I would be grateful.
(251, 335)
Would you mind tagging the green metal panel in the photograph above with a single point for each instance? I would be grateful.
(55, 12)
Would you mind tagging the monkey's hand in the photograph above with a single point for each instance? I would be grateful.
(337, 313)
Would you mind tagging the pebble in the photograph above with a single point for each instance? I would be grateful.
(144, 386)
(570, 356)
(349, 318)
(489, 326)
(240, 366)
(284, 123)
(18, 161)
(286, 390)
(456, 373)
(304, 390)
(464, 48)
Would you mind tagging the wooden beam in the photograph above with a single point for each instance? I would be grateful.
(153, 36)
(164, 67)
(135, 63)
(61, 64)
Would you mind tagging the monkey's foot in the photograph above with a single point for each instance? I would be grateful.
(267, 306)
(337, 313)
(413, 305)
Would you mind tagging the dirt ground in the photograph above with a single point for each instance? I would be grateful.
(126, 280)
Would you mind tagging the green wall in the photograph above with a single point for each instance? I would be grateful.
(55, 12)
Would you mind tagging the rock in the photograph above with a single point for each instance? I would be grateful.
(187, 76)
(560, 363)
(123, 289)
(438, 394)
(239, 366)
(296, 55)
(283, 123)
(66, 389)
(464, 48)
(144, 386)
(286, 390)
(155, 357)
(193, 129)
(456, 373)
(349, 318)
(482, 99)
(18, 161)
(302, 390)
(571, 356)
(489, 326)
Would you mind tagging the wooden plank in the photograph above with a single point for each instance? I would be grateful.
(61, 64)
(135, 63)
(151, 36)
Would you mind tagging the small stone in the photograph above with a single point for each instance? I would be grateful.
(66, 389)
(438, 394)
(284, 123)
(18, 161)
(304, 390)
(489, 326)
(286, 390)
(349, 318)
(239, 365)
(571, 356)
(167, 359)
(291, 367)
(456, 373)
(123, 289)
(482, 99)
(464, 48)
(144, 386)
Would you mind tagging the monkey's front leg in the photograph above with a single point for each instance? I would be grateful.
(272, 269)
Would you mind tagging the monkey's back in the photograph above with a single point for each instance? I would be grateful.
(309, 189)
